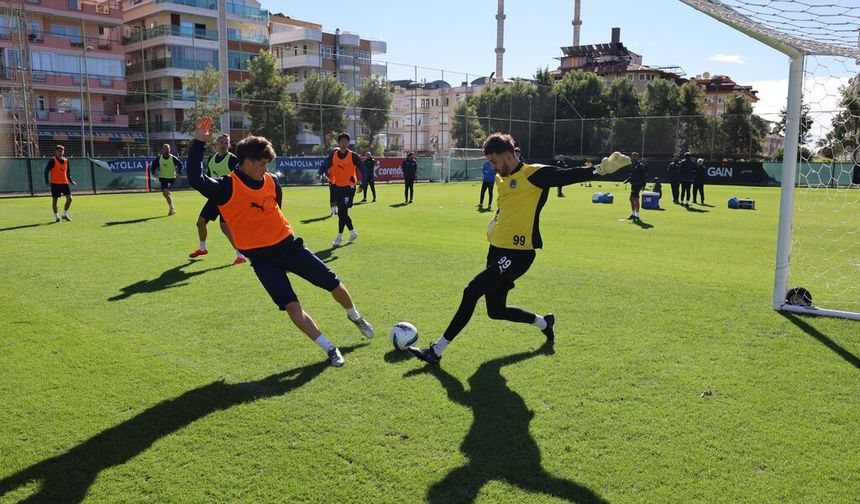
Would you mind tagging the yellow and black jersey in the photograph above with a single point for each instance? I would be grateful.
(522, 195)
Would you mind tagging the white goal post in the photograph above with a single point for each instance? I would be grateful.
(803, 29)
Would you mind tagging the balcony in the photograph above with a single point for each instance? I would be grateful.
(248, 12)
(247, 38)
(105, 12)
(97, 83)
(162, 63)
(378, 46)
(302, 60)
(157, 127)
(170, 30)
(348, 63)
(295, 87)
(349, 39)
(137, 97)
(297, 35)
(50, 40)
(378, 69)
(99, 118)
(199, 4)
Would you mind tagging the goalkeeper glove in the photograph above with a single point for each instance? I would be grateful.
(612, 164)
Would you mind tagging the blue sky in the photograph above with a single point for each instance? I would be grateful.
(459, 36)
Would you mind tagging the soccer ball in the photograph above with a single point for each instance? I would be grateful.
(403, 334)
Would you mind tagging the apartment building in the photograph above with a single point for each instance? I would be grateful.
(302, 48)
(719, 89)
(167, 40)
(74, 91)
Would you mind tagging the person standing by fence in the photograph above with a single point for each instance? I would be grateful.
(487, 185)
(168, 167)
(367, 176)
(699, 181)
(687, 169)
(410, 170)
(58, 175)
(673, 173)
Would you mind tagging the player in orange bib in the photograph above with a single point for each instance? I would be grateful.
(250, 201)
(58, 175)
(342, 165)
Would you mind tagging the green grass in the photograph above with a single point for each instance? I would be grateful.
(190, 386)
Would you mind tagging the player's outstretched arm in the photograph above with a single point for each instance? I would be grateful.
(554, 176)
(612, 163)
(207, 186)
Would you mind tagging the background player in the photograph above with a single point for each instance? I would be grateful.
(168, 167)
(342, 166)
(58, 175)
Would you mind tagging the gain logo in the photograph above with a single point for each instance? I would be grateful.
(513, 184)
(720, 171)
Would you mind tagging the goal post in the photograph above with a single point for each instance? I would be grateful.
(818, 240)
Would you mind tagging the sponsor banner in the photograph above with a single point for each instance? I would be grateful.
(387, 169)
(298, 163)
(735, 173)
(125, 165)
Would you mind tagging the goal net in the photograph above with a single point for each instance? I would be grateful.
(464, 164)
(818, 247)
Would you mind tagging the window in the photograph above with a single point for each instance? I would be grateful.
(66, 105)
(233, 33)
(40, 103)
(70, 33)
(103, 8)
(73, 4)
(721, 100)
(641, 76)
(630, 77)
(35, 30)
(327, 51)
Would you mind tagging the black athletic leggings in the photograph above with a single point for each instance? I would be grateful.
(503, 267)
(675, 190)
(699, 187)
(487, 186)
(343, 198)
(372, 188)
(408, 189)
(685, 190)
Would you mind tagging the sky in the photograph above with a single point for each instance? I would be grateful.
(459, 37)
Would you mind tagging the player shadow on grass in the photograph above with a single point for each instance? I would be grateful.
(643, 225)
(132, 221)
(690, 208)
(499, 445)
(68, 477)
(325, 255)
(174, 277)
(398, 205)
(25, 226)
(316, 219)
(804, 326)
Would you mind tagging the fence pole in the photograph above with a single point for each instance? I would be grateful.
(554, 120)
(30, 176)
(92, 174)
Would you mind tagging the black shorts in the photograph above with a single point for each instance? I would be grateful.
(504, 266)
(635, 189)
(290, 256)
(210, 211)
(343, 196)
(331, 192)
(58, 190)
(166, 183)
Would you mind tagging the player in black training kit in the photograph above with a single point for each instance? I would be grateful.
(514, 235)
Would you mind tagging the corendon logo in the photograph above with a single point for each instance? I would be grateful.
(388, 168)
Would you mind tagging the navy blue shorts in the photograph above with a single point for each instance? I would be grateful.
(635, 189)
(58, 190)
(272, 264)
(343, 196)
(166, 183)
(210, 211)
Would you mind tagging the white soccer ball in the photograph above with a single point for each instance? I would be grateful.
(403, 334)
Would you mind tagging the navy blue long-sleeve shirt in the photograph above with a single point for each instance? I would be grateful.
(554, 176)
(218, 190)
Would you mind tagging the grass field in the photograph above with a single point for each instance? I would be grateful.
(129, 373)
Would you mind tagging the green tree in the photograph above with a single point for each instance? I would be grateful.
(805, 124)
(742, 131)
(845, 135)
(269, 107)
(623, 103)
(581, 114)
(205, 85)
(544, 77)
(694, 135)
(661, 107)
(374, 99)
(466, 130)
(322, 100)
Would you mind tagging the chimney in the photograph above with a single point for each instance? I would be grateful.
(500, 40)
(616, 35)
(577, 22)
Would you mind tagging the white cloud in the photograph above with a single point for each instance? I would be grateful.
(727, 58)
